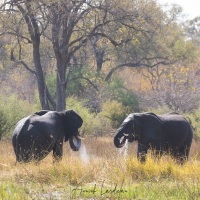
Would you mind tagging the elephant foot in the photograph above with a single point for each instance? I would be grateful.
(141, 157)
(181, 160)
(56, 160)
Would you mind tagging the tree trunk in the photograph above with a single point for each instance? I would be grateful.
(61, 84)
(33, 29)
(61, 94)
(99, 53)
(99, 60)
(40, 76)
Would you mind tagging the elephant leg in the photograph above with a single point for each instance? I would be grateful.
(183, 154)
(58, 151)
(24, 156)
(157, 154)
(157, 151)
(20, 157)
(177, 155)
(24, 153)
(141, 153)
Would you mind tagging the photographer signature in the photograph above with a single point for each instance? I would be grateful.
(102, 190)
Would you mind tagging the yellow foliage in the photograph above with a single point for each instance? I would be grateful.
(163, 168)
(143, 80)
(115, 111)
(107, 169)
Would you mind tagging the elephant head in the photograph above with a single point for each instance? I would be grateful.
(72, 122)
(125, 131)
(132, 127)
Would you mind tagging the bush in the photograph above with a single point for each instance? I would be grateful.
(93, 124)
(3, 124)
(117, 91)
(194, 119)
(159, 110)
(115, 112)
(11, 111)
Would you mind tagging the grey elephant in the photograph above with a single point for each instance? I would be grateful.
(35, 136)
(169, 133)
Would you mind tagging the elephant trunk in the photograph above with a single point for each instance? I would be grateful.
(75, 142)
(131, 138)
(120, 138)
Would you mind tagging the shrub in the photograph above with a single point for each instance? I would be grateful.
(115, 112)
(159, 110)
(92, 123)
(127, 97)
(11, 111)
(3, 124)
(194, 119)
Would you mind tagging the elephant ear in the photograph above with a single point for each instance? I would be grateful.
(72, 122)
(137, 124)
(152, 126)
(73, 119)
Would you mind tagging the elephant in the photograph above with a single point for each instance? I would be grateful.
(169, 133)
(35, 136)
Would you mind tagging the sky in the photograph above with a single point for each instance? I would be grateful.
(190, 7)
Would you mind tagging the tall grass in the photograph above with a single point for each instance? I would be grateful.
(107, 174)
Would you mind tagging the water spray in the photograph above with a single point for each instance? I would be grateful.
(124, 150)
(83, 154)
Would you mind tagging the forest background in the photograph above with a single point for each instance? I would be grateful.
(103, 58)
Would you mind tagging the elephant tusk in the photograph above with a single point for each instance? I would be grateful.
(79, 137)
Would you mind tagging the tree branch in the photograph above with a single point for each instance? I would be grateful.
(138, 64)
(21, 62)
(87, 79)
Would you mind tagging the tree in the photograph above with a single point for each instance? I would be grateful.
(68, 25)
(155, 41)
(13, 24)
(130, 27)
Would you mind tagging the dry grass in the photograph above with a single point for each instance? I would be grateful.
(103, 166)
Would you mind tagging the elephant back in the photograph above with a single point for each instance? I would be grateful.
(174, 117)
(21, 125)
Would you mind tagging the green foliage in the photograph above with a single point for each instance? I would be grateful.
(184, 49)
(10, 190)
(3, 123)
(118, 92)
(121, 102)
(78, 83)
(115, 112)
(194, 119)
(3, 55)
(92, 123)
(12, 110)
(159, 110)
(130, 99)
(115, 90)
(108, 175)
(51, 84)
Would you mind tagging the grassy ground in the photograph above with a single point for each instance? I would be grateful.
(99, 171)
